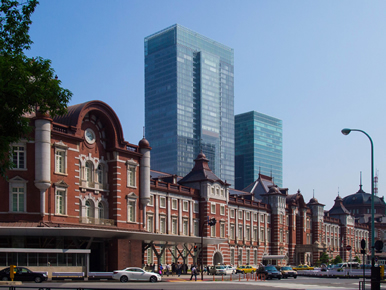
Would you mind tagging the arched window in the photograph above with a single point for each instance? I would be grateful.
(89, 209)
(101, 210)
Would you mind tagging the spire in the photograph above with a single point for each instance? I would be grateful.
(313, 193)
(360, 184)
(143, 131)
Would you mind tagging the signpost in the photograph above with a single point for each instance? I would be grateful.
(349, 248)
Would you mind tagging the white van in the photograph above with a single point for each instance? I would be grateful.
(352, 265)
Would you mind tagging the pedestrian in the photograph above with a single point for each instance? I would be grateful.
(179, 269)
(194, 273)
(167, 269)
(160, 269)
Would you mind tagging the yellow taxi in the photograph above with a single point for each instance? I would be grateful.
(302, 267)
(245, 269)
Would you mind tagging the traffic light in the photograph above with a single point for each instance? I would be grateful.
(195, 248)
(378, 246)
(363, 244)
(212, 222)
(12, 272)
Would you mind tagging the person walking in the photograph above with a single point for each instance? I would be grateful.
(167, 269)
(179, 269)
(194, 273)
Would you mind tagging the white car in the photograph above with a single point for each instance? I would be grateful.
(223, 270)
(135, 274)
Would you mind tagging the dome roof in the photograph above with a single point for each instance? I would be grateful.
(361, 198)
(144, 143)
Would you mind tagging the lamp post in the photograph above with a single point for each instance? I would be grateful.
(347, 131)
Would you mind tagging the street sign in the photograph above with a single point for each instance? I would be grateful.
(348, 248)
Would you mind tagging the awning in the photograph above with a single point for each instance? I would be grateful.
(106, 234)
(275, 257)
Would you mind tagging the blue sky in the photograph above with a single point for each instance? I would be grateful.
(319, 66)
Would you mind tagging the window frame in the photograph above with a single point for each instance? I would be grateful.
(24, 151)
(131, 208)
(64, 206)
(222, 209)
(213, 208)
(185, 205)
(162, 199)
(174, 204)
(17, 182)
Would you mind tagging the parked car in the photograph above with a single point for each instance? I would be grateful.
(135, 274)
(231, 269)
(245, 269)
(221, 270)
(22, 274)
(303, 267)
(287, 271)
(272, 272)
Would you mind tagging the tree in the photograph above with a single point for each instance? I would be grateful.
(25, 83)
(324, 259)
(357, 259)
(337, 260)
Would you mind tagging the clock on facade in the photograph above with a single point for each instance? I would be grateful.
(89, 136)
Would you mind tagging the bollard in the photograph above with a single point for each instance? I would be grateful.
(247, 277)
(222, 277)
(213, 277)
(231, 277)
(256, 276)
(239, 277)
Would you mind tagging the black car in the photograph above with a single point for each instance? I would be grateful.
(272, 272)
(22, 274)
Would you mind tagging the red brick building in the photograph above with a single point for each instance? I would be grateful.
(82, 198)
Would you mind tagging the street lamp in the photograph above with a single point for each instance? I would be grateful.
(347, 131)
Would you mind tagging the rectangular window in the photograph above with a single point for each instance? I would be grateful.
(196, 228)
(232, 234)
(255, 234)
(255, 217)
(151, 202)
(131, 211)
(222, 210)
(213, 209)
(185, 227)
(232, 256)
(185, 205)
(174, 226)
(60, 204)
(255, 257)
(262, 239)
(240, 214)
(131, 176)
(268, 219)
(222, 230)
(18, 199)
(248, 253)
(240, 232)
(18, 157)
(248, 215)
(150, 222)
(174, 204)
(287, 220)
(60, 161)
(149, 255)
(162, 225)
(232, 213)
(162, 202)
(269, 236)
(247, 233)
(196, 207)
(213, 231)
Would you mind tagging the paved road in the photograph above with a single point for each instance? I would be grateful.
(183, 283)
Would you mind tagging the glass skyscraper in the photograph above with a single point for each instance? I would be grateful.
(189, 101)
(259, 148)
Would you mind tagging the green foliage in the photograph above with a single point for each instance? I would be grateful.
(318, 263)
(337, 260)
(25, 83)
(357, 259)
(324, 258)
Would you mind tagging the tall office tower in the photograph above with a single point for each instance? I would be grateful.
(189, 102)
(259, 148)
